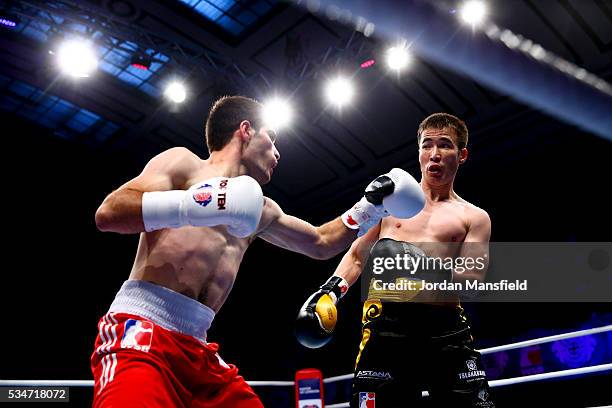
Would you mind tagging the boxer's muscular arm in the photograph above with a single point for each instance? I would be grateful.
(476, 245)
(352, 263)
(297, 235)
(396, 192)
(121, 210)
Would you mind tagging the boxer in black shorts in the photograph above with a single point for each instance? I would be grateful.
(414, 339)
(408, 347)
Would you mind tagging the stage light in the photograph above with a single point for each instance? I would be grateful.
(277, 113)
(77, 58)
(473, 12)
(339, 91)
(176, 92)
(398, 57)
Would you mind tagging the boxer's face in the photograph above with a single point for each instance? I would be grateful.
(261, 156)
(439, 155)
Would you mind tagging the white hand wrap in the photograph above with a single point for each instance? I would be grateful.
(363, 216)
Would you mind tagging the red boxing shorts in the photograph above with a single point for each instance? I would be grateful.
(151, 351)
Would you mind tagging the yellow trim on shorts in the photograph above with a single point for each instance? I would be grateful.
(372, 309)
(364, 339)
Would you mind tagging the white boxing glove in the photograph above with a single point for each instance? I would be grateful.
(396, 193)
(235, 202)
(407, 199)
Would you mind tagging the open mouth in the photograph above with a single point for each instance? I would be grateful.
(435, 169)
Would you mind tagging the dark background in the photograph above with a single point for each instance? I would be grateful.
(60, 273)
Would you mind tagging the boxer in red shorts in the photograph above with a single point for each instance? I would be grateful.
(173, 367)
(196, 218)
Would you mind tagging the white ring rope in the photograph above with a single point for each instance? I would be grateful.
(90, 383)
(547, 339)
(338, 378)
(511, 346)
(524, 379)
(271, 383)
(46, 383)
(553, 374)
(494, 383)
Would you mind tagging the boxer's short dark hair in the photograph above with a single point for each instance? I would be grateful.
(225, 116)
(445, 120)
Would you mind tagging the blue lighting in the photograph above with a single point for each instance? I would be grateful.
(575, 352)
(116, 61)
(115, 55)
(233, 16)
(7, 23)
(68, 119)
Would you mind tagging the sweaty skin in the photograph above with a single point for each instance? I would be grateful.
(202, 262)
(446, 218)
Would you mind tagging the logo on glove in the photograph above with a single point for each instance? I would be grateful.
(203, 195)
(351, 221)
(222, 196)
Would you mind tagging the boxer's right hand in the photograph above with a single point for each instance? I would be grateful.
(396, 193)
(235, 202)
(317, 317)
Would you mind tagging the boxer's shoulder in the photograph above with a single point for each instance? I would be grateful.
(469, 208)
(474, 211)
(182, 165)
(177, 153)
(176, 158)
(475, 216)
(479, 217)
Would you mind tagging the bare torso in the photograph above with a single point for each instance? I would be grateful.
(441, 221)
(198, 262)
(439, 229)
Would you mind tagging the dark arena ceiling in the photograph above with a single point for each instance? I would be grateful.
(263, 48)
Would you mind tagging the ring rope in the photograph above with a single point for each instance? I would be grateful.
(525, 379)
(494, 383)
(547, 339)
(510, 346)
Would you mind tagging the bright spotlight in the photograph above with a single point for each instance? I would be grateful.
(77, 58)
(398, 57)
(175, 91)
(277, 113)
(339, 91)
(473, 12)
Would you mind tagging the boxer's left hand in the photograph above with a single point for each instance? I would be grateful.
(317, 318)
(396, 193)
